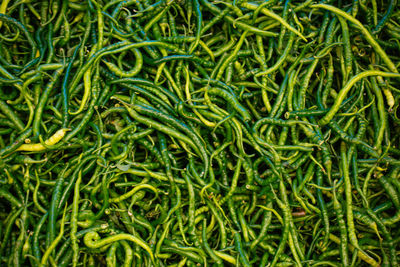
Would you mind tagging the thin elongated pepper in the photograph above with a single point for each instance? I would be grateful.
(54, 139)
(343, 92)
(92, 240)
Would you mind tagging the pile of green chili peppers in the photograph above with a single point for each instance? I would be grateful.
(199, 133)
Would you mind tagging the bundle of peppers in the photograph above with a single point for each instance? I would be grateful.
(199, 133)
